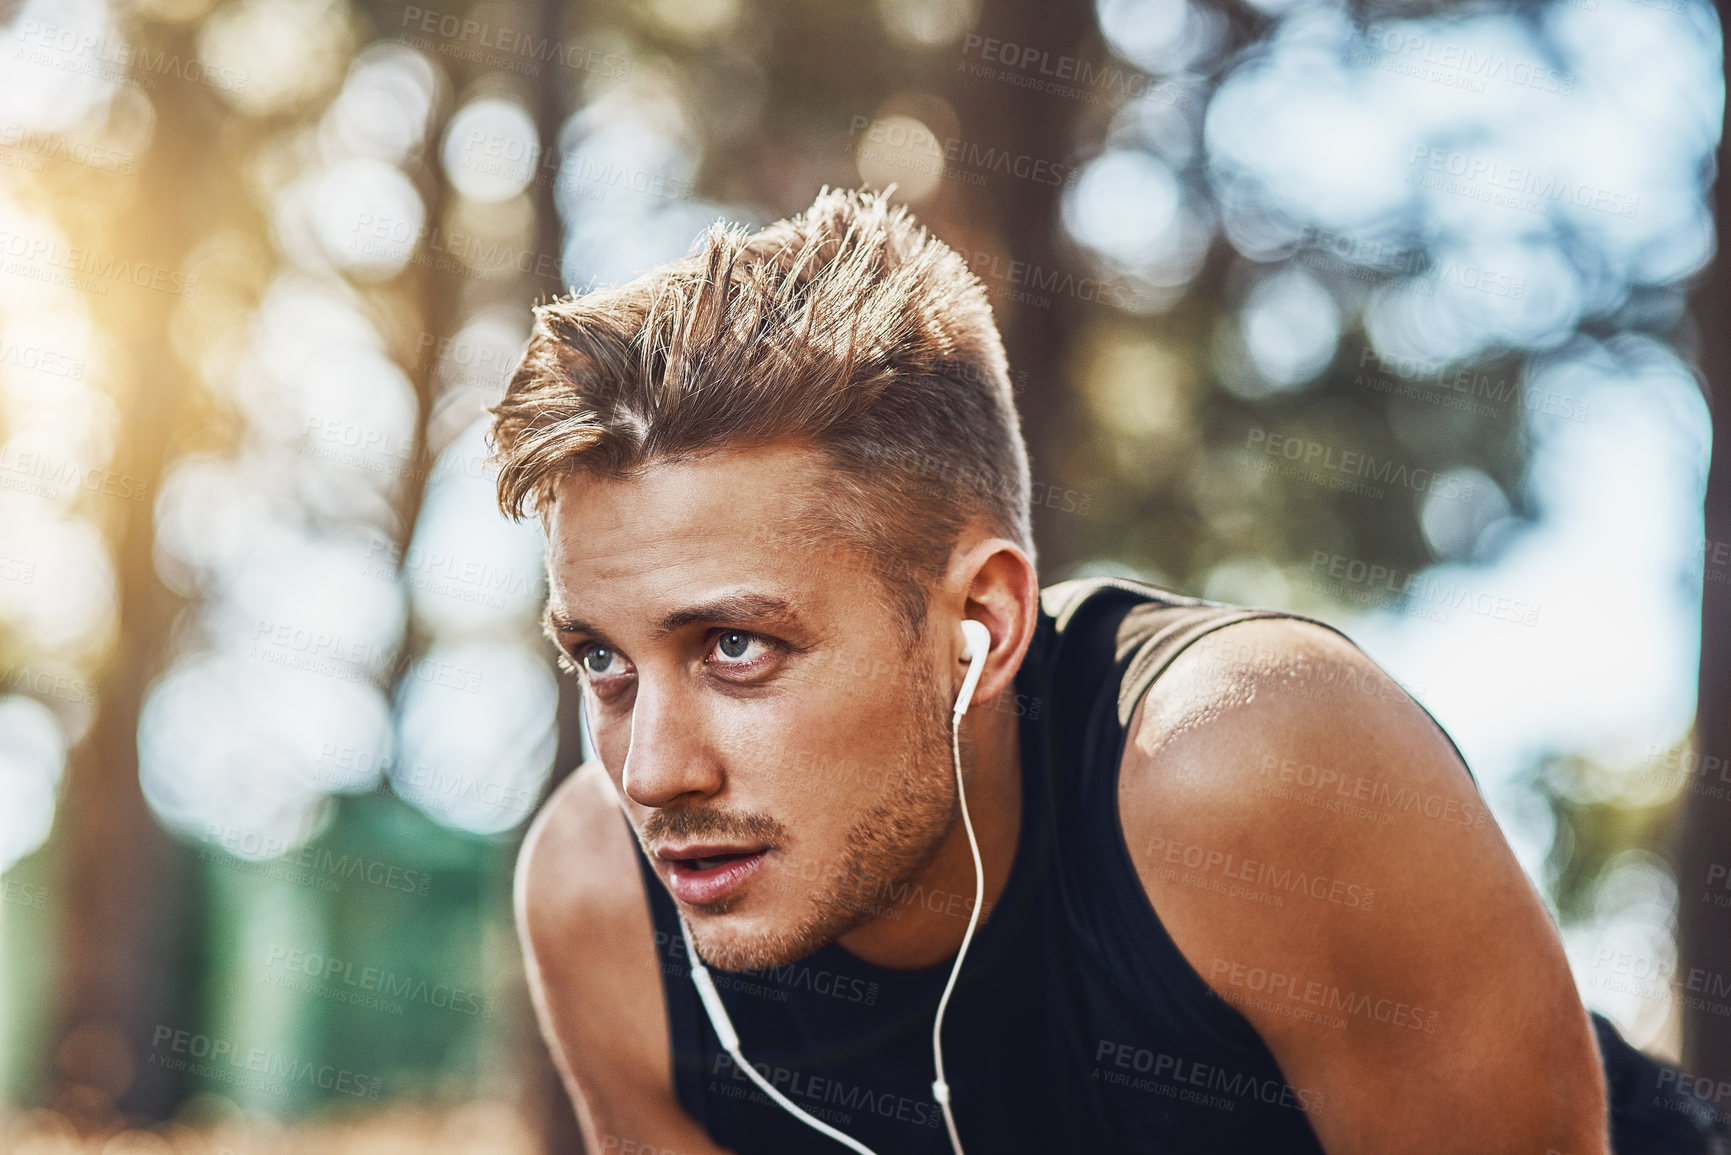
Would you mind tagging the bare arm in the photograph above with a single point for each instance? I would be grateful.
(1369, 920)
(589, 948)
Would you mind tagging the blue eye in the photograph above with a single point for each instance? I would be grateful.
(736, 648)
(596, 659)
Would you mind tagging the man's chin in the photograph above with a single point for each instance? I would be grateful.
(754, 942)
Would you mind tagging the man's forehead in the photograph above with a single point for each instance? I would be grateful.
(686, 531)
(726, 505)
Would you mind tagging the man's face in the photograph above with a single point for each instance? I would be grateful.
(781, 760)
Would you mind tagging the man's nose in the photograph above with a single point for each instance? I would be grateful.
(669, 755)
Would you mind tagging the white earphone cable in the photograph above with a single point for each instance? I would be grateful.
(941, 1088)
(723, 1025)
(979, 642)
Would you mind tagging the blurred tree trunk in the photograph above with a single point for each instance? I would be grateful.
(1024, 122)
(1704, 927)
(550, 100)
(128, 934)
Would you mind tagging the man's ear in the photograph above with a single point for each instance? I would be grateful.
(998, 588)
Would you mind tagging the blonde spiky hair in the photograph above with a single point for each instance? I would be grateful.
(849, 328)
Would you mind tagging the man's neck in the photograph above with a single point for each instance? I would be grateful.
(924, 925)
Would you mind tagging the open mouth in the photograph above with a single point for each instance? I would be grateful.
(709, 874)
(711, 861)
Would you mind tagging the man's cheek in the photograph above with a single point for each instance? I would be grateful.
(612, 742)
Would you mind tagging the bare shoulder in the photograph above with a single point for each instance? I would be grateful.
(1314, 846)
(594, 969)
(1274, 759)
(1275, 671)
(1269, 703)
(576, 868)
(583, 919)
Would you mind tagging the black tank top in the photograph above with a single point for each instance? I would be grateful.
(1077, 1025)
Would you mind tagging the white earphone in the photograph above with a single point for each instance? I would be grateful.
(978, 642)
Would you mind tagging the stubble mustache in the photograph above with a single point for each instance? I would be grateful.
(689, 823)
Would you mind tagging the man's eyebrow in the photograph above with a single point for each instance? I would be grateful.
(554, 623)
(740, 607)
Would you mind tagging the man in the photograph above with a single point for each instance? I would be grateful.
(1240, 893)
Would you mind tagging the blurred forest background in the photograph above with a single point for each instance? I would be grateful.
(1401, 315)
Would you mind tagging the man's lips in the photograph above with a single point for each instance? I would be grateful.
(709, 872)
(706, 852)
